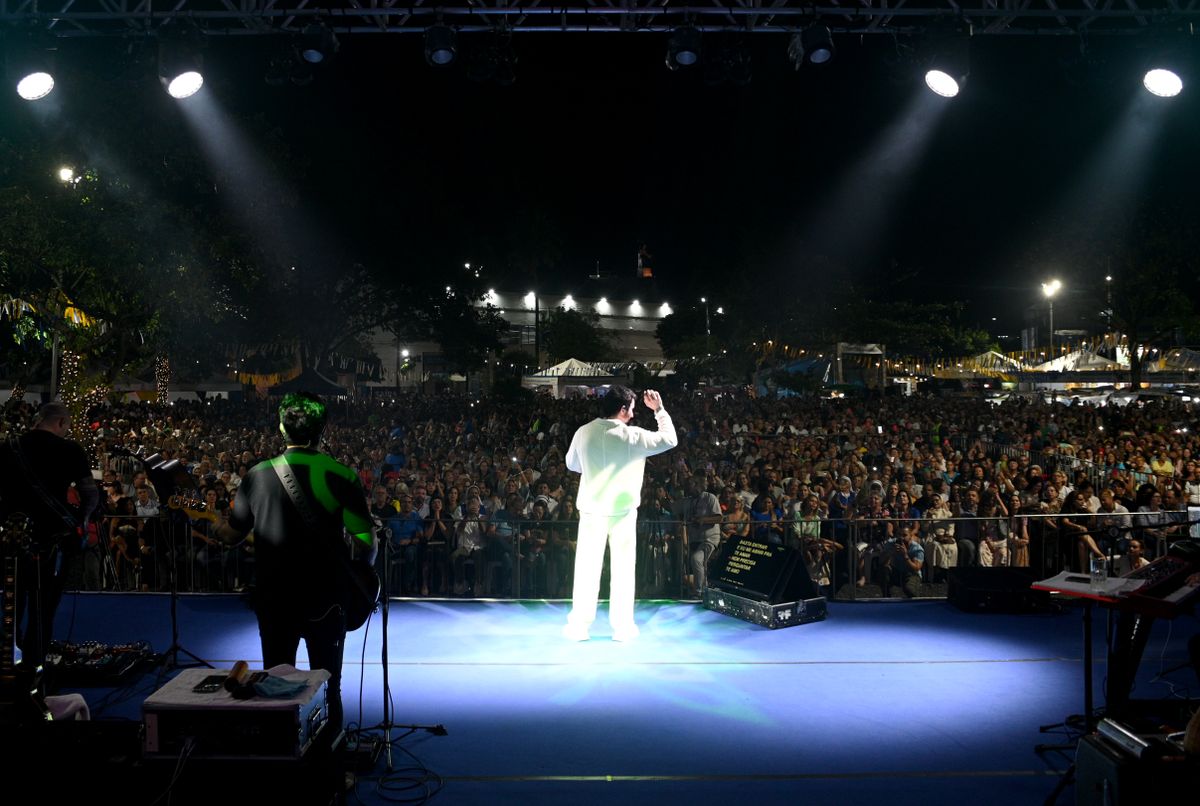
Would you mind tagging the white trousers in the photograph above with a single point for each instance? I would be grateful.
(620, 534)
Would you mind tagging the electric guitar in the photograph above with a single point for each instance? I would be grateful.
(362, 586)
(20, 692)
(193, 509)
(364, 592)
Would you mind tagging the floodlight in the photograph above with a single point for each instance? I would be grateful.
(942, 83)
(179, 65)
(683, 48)
(33, 86)
(1163, 82)
(318, 43)
(817, 42)
(440, 45)
(184, 85)
(948, 69)
(30, 64)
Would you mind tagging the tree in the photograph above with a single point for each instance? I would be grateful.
(919, 329)
(681, 334)
(569, 333)
(516, 362)
(1148, 305)
(89, 260)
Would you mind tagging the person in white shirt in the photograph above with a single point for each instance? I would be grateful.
(1132, 559)
(610, 456)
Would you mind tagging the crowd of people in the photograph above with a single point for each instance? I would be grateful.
(883, 495)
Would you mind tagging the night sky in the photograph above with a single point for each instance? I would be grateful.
(597, 148)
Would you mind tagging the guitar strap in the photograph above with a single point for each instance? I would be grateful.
(292, 485)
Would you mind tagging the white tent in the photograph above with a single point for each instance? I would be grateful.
(569, 373)
(994, 361)
(573, 367)
(1180, 359)
(1078, 361)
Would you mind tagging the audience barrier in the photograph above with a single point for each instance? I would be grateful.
(848, 559)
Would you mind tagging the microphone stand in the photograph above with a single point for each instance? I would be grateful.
(168, 477)
(384, 617)
(171, 656)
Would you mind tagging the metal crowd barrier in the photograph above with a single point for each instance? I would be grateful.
(848, 559)
(143, 553)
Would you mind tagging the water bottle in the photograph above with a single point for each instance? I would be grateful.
(1099, 572)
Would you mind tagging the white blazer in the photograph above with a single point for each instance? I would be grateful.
(611, 458)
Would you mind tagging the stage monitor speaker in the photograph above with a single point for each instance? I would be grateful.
(996, 590)
(763, 584)
(1106, 774)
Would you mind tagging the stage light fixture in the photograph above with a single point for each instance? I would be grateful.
(35, 85)
(179, 65)
(683, 48)
(942, 83)
(949, 67)
(318, 43)
(1162, 82)
(30, 63)
(185, 84)
(441, 46)
(817, 42)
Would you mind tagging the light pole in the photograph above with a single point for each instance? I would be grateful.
(707, 329)
(1049, 290)
(531, 301)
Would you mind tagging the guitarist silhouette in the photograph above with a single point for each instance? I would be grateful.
(36, 472)
(304, 587)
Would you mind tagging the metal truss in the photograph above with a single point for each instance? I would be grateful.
(84, 18)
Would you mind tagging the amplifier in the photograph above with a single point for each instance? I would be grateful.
(221, 727)
(768, 614)
(995, 590)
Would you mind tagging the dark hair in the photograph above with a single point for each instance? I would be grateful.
(302, 418)
(616, 398)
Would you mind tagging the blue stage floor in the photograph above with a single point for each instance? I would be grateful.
(894, 703)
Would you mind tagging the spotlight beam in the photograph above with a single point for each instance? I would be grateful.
(863, 200)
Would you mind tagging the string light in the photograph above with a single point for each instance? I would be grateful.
(162, 377)
(80, 402)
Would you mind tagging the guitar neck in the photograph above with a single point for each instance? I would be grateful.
(193, 512)
(7, 663)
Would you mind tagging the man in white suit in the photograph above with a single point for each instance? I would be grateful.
(611, 456)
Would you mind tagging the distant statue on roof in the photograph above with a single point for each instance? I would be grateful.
(644, 263)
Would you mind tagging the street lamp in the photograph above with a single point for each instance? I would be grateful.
(707, 329)
(531, 301)
(1049, 290)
